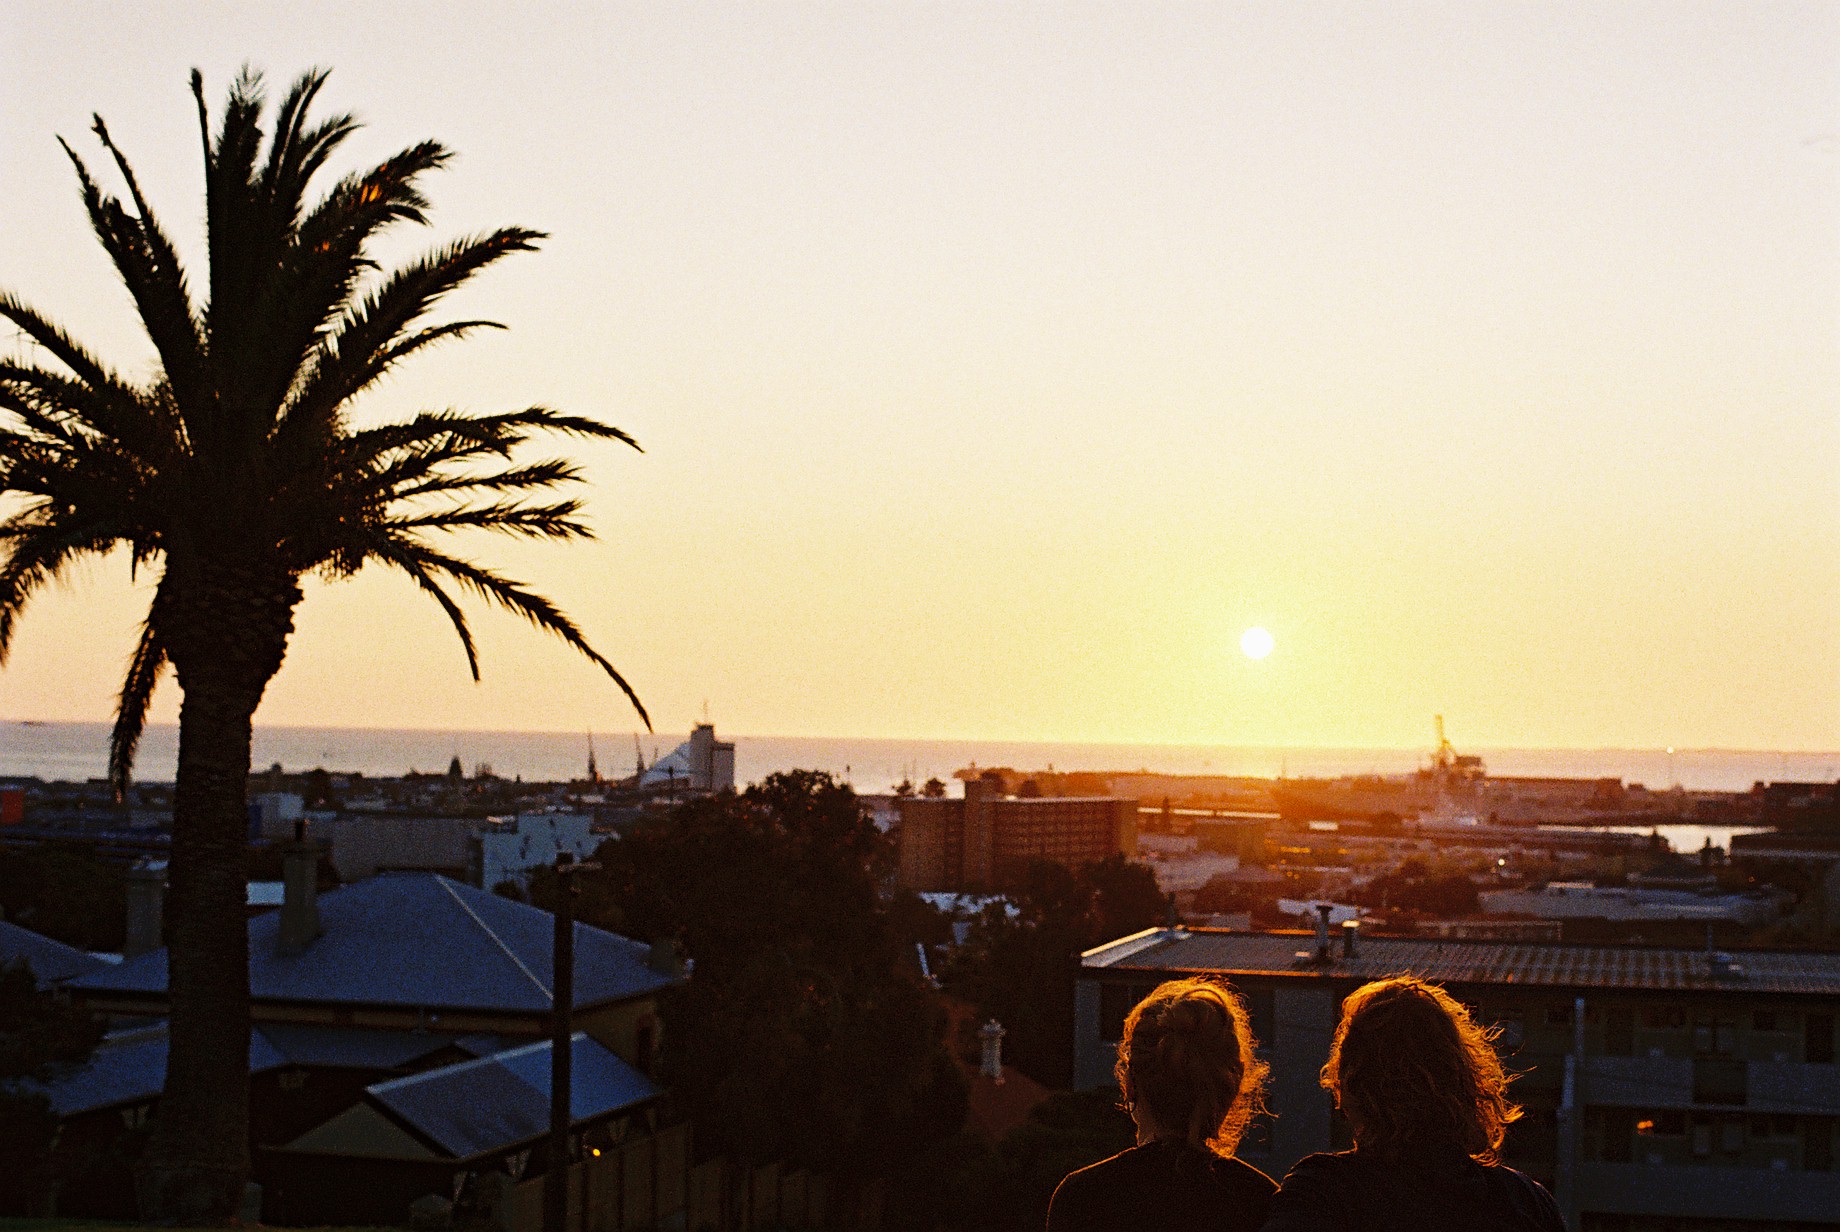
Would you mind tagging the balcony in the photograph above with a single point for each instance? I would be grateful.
(1686, 1082)
(1686, 1192)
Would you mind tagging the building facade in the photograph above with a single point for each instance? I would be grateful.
(1664, 1088)
(986, 840)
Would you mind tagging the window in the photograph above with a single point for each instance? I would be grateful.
(1701, 1139)
(1763, 1020)
(1559, 1015)
(1620, 1032)
(1820, 1039)
(1731, 1135)
(1672, 1123)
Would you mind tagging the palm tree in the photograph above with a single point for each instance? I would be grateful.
(235, 470)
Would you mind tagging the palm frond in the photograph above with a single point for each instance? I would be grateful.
(552, 521)
(513, 597)
(37, 559)
(144, 669)
(150, 269)
(359, 349)
(41, 330)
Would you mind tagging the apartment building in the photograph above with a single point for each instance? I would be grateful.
(1665, 1088)
(986, 840)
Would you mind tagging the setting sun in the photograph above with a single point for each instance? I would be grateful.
(1257, 643)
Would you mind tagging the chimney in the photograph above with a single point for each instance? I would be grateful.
(1351, 937)
(990, 1050)
(300, 894)
(1323, 912)
(146, 910)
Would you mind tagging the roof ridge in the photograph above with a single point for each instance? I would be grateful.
(497, 940)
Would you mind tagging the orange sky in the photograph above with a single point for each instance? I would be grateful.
(998, 365)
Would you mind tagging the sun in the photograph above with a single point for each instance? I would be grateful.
(1256, 643)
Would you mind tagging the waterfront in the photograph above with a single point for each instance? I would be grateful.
(80, 751)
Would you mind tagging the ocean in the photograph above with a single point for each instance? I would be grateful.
(79, 751)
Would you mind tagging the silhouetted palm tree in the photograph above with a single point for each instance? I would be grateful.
(235, 471)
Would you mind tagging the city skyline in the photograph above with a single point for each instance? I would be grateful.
(999, 369)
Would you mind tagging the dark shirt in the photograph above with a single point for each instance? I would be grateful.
(1349, 1191)
(1162, 1186)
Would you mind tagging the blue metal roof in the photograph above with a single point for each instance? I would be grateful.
(420, 940)
(500, 1102)
(352, 1047)
(130, 1068)
(52, 962)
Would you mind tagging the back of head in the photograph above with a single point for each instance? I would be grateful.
(1187, 1059)
(1415, 1074)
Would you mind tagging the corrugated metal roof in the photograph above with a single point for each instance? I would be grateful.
(1474, 962)
(52, 962)
(502, 1101)
(420, 940)
(130, 1068)
(352, 1047)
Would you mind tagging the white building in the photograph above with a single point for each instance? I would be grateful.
(701, 763)
(504, 851)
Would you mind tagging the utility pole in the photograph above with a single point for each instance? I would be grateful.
(561, 1051)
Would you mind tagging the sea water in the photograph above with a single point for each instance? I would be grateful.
(77, 751)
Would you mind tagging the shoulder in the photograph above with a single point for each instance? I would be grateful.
(1314, 1195)
(1533, 1198)
(1079, 1196)
(1241, 1176)
(1323, 1169)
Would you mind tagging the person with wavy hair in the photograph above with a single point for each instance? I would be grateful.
(1192, 1081)
(1420, 1085)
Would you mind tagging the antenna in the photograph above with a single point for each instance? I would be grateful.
(705, 710)
(594, 774)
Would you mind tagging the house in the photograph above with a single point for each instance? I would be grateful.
(379, 1009)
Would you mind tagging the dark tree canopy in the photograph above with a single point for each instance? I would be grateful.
(806, 1032)
(1018, 966)
(39, 1032)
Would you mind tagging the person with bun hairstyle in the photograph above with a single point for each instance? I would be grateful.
(1192, 1083)
(1421, 1087)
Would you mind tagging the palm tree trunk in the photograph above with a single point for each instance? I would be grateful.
(226, 631)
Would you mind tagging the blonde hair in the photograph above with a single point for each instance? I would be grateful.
(1187, 1059)
(1410, 1068)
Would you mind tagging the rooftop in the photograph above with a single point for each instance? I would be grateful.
(419, 941)
(502, 1101)
(52, 962)
(1542, 964)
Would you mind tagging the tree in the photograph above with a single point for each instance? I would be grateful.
(1019, 966)
(807, 1033)
(235, 469)
(65, 891)
(39, 1031)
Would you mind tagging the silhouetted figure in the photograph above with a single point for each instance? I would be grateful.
(1191, 1082)
(1426, 1096)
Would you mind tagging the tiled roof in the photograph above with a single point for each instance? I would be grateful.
(502, 1101)
(52, 962)
(1473, 962)
(422, 941)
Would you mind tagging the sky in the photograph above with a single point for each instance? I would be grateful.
(998, 365)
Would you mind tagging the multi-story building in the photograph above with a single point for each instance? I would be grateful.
(1664, 1088)
(986, 840)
